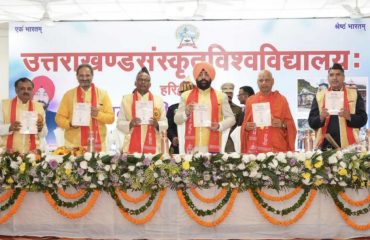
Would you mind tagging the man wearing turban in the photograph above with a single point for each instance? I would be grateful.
(142, 136)
(172, 127)
(43, 92)
(204, 136)
(279, 132)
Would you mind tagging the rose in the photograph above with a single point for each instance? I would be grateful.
(186, 165)
(87, 156)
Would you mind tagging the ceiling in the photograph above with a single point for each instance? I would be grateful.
(48, 11)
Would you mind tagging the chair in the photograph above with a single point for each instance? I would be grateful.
(181, 136)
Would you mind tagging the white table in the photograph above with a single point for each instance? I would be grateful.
(36, 217)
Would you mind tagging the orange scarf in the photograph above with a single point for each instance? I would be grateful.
(135, 141)
(13, 117)
(260, 139)
(95, 128)
(350, 136)
(214, 136)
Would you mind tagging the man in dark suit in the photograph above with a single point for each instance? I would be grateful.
(172, 127)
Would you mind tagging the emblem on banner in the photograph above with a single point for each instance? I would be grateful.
(187, 35)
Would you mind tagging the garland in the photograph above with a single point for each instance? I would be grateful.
(208, 212)
(201, 222)
(145, 219)
(353, 202)
(216, 198)
(351, 223)
(6, 195)
(75, 195)
(73, 215)
(138, 211)
(286, 222)
(279, 198)
(62, 203)
(284, 211)
(18, 201)
(11, 201)
(128, 198)
(348, 211)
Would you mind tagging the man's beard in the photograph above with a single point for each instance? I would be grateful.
(203, 84)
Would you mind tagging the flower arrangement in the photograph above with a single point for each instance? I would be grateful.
(330, 171)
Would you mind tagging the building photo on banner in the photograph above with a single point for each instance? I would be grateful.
(169, 50)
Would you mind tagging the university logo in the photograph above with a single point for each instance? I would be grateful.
(187, 35)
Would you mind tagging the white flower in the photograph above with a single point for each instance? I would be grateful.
(287, 168)
(294, 169)
(99, 163)
(92, 185)
(113, 166)
(231, 166)
(269, 154)
(148, 155)
(343, 164)
(177, 158)
(83, 165)
(139, 164)
(261, 157)
(332, 159)
(289, 154)
(87, 178)
(253, 174)
(339, 154)
(68, 165)
(313, 170)
(32, 157)
(273, 164)
(155, 175)
(259, 175)
(87, 156)
(188, 157)
(225, 157)
(19, 160)
(107, 168)
(90, 170)
(334, 169)
(177, 179)
(14, 165)
(235, 155)
(166, 156)
(333, 182)
(252, 157)
(265, 177)
(307, 181)
(308, 154)
(131, 168)
(342, 184)
(241, 166)
(224, 184)
(207, 177)
(301, 156)
(245, 173)
(245, 158)
(101, 176)
(197, 155)
(126, 175)
(281, 157)
(137, 155)
(281, 183)
(158, 162)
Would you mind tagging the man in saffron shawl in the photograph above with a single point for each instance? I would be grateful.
(11, 111)
(142, 136)
(101, 111)
(207, 137)
(343, 126)
(280, 133)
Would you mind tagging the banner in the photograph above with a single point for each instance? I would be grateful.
(298, 52)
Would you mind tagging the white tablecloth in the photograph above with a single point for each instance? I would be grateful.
(36, 217)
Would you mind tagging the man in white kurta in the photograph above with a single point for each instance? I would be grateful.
(138, 137)
(204, 139)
